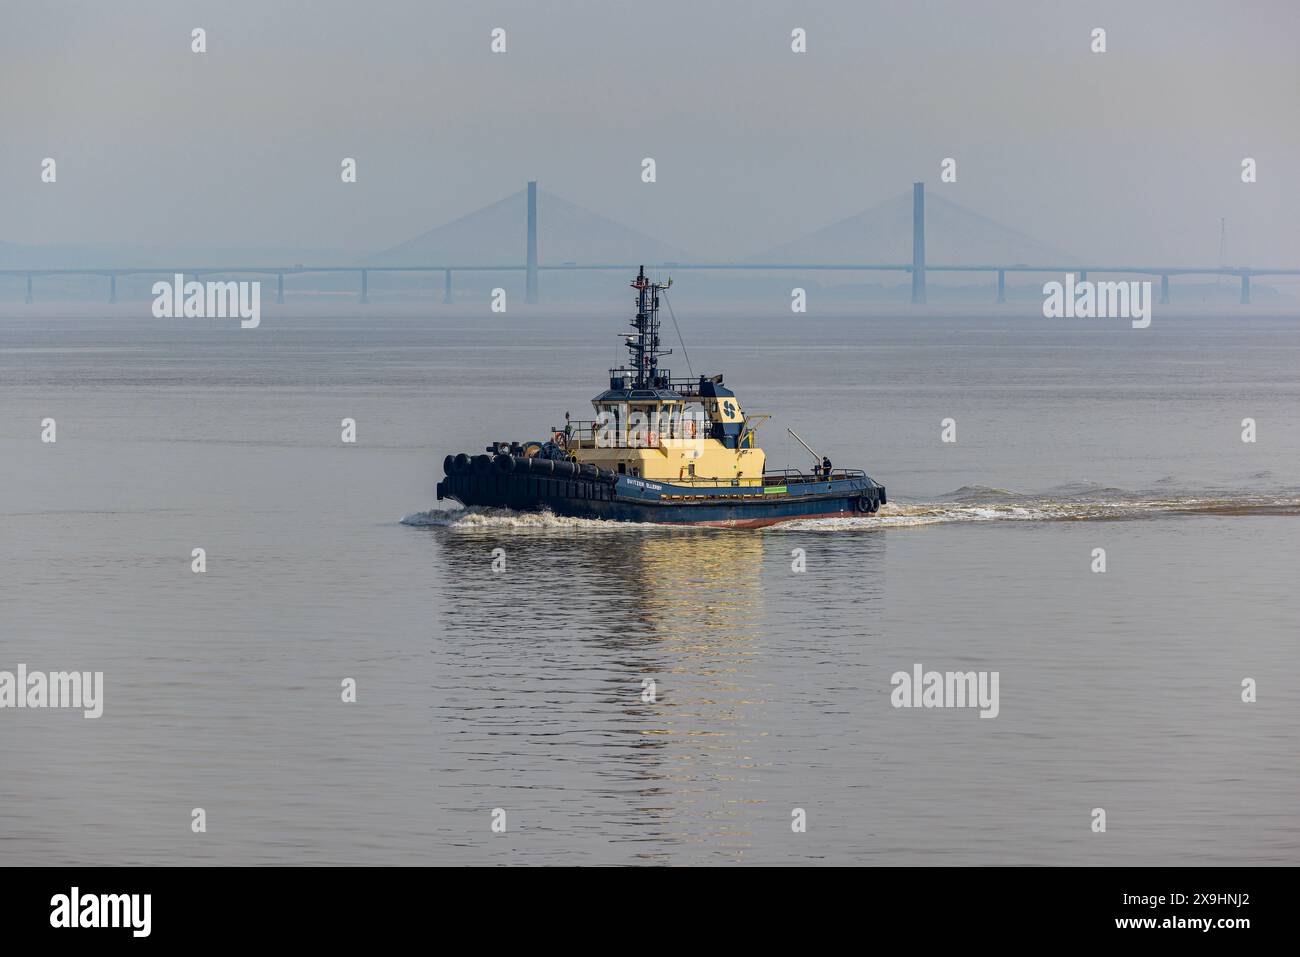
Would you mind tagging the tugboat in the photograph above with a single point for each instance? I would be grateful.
(660, 450)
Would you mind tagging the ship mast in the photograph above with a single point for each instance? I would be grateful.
(644, 343)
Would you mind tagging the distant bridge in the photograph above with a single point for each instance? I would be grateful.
(363, 273)
(917, 268)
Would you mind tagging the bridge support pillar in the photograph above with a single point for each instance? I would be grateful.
(446, 286)
(1002, 285)
(1245, 289)
(365, 286)
(112, 288)
(29, 288)
(279, 288)
(530, 288)
(1164, 290)
(918, 242)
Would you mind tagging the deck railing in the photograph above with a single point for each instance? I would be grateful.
(582, 435)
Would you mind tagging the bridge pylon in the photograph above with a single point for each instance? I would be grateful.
(918, 242)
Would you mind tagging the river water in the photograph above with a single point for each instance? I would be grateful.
(521, 689)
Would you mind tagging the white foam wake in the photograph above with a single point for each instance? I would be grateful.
(486, 519)
(1004, 507)
(902, 515)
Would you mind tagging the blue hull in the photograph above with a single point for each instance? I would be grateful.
(636, 500)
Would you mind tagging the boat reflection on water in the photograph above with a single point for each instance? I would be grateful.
(544, 694)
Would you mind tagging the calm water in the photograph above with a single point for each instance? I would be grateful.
(522, 690)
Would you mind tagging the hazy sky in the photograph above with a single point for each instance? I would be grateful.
(1130, 155)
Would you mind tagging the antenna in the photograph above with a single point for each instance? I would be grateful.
(686, 355)
(804, 444)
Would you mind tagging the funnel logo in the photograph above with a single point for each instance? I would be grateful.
(729, 408)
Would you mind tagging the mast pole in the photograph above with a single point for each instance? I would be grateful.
(644, 346)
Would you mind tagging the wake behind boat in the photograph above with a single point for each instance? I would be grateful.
(664, 450)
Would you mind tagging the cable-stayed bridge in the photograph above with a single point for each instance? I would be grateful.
(917, 268)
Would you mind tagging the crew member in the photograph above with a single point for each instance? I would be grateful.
(826, 467)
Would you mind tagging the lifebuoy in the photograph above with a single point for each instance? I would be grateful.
(653, 439)
(689, 428)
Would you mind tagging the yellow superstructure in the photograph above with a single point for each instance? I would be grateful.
(671, 438)
(652, 426)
